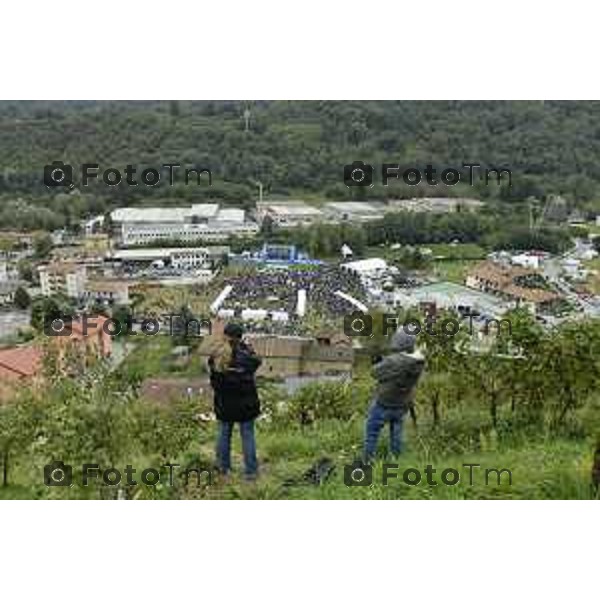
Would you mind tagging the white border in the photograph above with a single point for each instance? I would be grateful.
(268, 49)
(305, 50)
(299, 549)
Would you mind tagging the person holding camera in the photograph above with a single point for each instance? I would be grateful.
(232, 370)
(397, 375)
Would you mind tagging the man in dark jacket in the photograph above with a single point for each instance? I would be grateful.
(235, 398)
(397, 375)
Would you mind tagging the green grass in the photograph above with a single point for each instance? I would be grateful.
(457, 251)
(152, 358)
(452, 270)
(551, 468)
(541, 470)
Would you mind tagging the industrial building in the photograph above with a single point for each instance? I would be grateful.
(435, 205)
(206, 222)
(176, 258)
(288, 213)
(358, 212)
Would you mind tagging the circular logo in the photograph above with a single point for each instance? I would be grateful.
(357, 475)
(357, 175)
(57, 175)
(57, 475)
(361, 326)
(57, 325)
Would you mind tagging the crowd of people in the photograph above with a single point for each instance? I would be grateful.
(277, 290)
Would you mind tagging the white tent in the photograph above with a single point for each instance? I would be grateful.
(301, 303)
(221, 298)
(369, 266)
(280, 316)
(251, 314)
(352, 301)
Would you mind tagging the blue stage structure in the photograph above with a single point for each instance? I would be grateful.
(275, 255)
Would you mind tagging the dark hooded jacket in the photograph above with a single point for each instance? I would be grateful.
(235, 395)
(397, 373)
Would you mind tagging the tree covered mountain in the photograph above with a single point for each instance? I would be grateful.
(298, 148)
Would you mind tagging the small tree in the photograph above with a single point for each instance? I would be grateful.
(441, 356)
(22, 299)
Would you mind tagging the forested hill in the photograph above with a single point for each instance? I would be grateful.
(301, 147)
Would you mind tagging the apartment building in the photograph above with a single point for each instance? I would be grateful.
(67, 278)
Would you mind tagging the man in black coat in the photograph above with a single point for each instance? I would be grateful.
(235, 398)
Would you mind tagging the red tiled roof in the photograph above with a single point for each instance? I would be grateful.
(22, 361)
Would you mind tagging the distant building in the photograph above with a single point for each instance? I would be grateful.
(288, 213)
(346, 251)
(18, 365)
(177, 258)
(369, 267)
(22, 365)
(208, 222)
(531, 261)
(521, 285)
(444, 295)
(65, 278)
(106, 291)
(289, 356)
(7, 291)
(354, 211)
(93, 225)
(435, 205)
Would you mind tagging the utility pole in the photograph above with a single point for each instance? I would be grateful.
(260, 191)
(247, 115)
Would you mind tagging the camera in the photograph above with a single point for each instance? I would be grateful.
(57, 474)
(58, 174)
(358, 474)
(358, 324)
(358, 174)
(58, 326)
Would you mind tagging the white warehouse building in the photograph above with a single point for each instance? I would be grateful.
(202, 222)
(177, 258)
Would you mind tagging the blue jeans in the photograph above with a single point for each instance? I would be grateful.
(248, 447)
(377, 417)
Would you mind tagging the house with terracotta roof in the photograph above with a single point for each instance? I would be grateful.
(18, 366)
(23, 365)
(520, 285)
